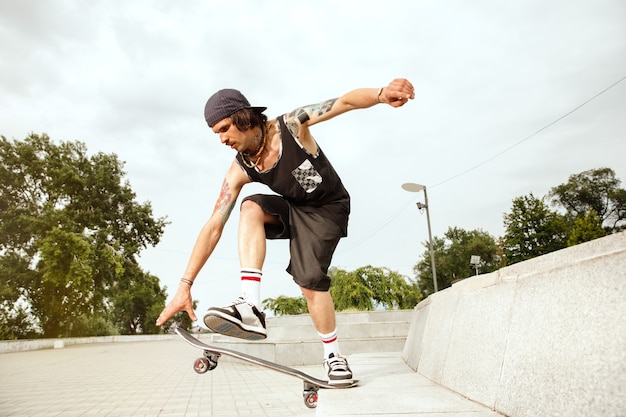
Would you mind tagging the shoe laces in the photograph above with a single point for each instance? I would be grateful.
(239, 300)
(337, 362)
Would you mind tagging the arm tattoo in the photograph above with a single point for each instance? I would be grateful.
(292, 126)
(323, 107)
(303, 113)
(224, 205)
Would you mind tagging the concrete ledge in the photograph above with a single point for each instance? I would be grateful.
(542, 337)
(7, 346)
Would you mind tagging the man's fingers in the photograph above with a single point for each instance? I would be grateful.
(163, 317)
(401, 89)
(167, 314)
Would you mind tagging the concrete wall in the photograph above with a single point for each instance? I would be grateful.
(7, 346)
(545, 337)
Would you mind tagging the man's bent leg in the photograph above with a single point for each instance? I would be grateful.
(252, 247)
(251, 237)
(243, 318)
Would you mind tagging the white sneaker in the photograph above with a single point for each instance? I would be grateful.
(238, 319)
(339, 372)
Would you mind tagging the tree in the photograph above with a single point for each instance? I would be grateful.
(350, 291)
(452, 258)
(585, 229)
(593, 190)
(69, 227)
(370, 288)
(389, 289)
(364, 289)
(137, 301)
(16, 321)
(532, 229)
(286, 306)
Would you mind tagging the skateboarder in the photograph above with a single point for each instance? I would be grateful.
(310, 208)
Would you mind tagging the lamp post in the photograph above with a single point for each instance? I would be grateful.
(416, 188)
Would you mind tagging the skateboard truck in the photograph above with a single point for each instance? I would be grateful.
(206, 363)
(310, 394)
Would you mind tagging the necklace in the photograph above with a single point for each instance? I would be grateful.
(245, 157)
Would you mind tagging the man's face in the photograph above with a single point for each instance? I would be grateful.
(231, 136)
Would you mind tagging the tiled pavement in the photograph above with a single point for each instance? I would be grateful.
(142, 379)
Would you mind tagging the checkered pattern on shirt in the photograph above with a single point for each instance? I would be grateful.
(307, 176)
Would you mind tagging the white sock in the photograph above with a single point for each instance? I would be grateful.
(251, 286)
(330, 342)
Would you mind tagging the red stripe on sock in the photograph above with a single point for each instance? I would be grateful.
(248, 278)
(329, 340)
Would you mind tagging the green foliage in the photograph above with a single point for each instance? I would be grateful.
(64, 288)
(69, 229)
(286, 306)
(364, 289)
(369, 288)
(452, 257)
(137, 301)
(593, 205)
(532, 230)
(350, 291)
(87, 326)
(16, 323)
(594, 190)
(585, 229)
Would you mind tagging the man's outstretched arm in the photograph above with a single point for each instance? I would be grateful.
(396, 94)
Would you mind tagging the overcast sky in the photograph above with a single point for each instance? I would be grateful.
(512, 97)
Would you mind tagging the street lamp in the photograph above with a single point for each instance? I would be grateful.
(416, 188)
(475, 262)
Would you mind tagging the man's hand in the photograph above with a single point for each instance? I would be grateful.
(397, 93)
(180, 302)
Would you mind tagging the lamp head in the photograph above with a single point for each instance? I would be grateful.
(413, 187)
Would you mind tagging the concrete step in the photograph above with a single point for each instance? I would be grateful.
(294, 353)
(293, 341)
(345, 331)
(345, 317)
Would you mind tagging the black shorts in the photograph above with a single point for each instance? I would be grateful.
(312, 239)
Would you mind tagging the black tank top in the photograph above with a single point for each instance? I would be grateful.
(306, 181)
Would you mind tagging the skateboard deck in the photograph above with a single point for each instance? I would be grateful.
(212, 353)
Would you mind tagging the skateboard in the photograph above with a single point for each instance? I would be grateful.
(212, 353)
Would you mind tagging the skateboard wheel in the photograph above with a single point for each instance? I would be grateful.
(310, 399)
(202, 365)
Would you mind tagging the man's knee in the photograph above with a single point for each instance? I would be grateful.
(307, 293)
(251, 208)
(312, 295)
